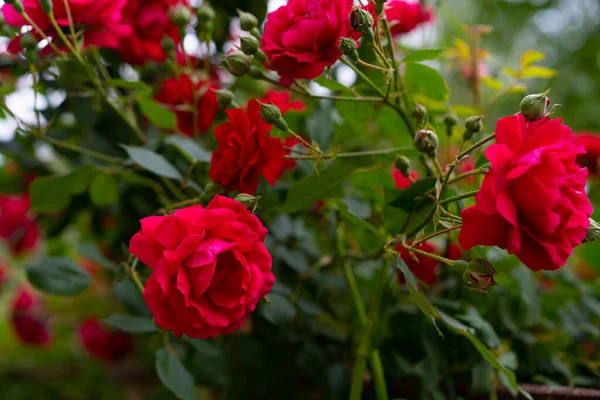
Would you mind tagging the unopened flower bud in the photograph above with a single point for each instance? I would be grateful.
(249, 45)
(249, 201)
(17, 5)
(403, 165)
(255, 72)
(451, 120)
(347, 47)
(224, 97)
(427, 142)
(271, 114)
(247, 21)
(419, 112)
(46, 5)
(535, 106)
(361, 20)
(473, 125)
(593, 233)
(206, 12)
(379, 6)
(168, 44)
(238, 63)
(180, 14)
(479, 275)
(28, 41)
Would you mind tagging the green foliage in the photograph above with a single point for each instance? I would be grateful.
(174, 375)
(153, 162)
(58, 276)
(130, 324)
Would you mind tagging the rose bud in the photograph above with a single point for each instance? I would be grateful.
(28, 41)
(473, 125)
(224, 97)
(347, 47)
(249, 45)
(46, 6)
(247, 21)
(451, 120)
(249, 201)
(479, 275)
(17, 5)
(206, 12)
(593, 232)
(419, 112)
(535, 106)
(361, 20)
(272, 115)
(238, 63)
(427, 142)
(403, 165)
(180, 14)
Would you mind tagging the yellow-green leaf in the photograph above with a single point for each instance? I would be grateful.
(492, 83)
(530, 57)
(511, 72)
(538, 72)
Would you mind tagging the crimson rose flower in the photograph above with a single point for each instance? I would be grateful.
(99, 341)
(403, 182)
(101, 20)
(283, 100)
(210, 267)
(17, 227)
(150, 23)
(29, 320)
(533, 201)
(426, 269)
(591, 142)
(245, 151)
(301, 38)
(179, 92)
(405, 16)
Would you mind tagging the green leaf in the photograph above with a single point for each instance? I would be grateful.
(530, 57)
(204, 347)
(331, 84)
(174, 375)
(79, 180)
(426, 80)
(152, 161)
(306, 192)
(355, 220)
(189, 148)
(279, 311)
(157, 114)
(58, 276)
(492, 83)
(423, 55)
(465, 111)
(104, 189)
(130, 323)
(72, 73)
(413, 194)
(91, 252)
(421, 301)
(123, 84)
(49, 194)
(538, 72)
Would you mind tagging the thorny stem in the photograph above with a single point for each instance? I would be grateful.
(366, 153)
(306, 143)
(135, 275)
(438, 233)
(475, 146)
(457, 198)
(441, 259)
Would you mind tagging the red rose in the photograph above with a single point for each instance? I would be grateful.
(106, 345)
(591, 142)
(17, 227)
(245, 151)
(29, 320)
(301, 38)
(179, 93)
(101, 21)
(533, 201)
(403, 182)
(405, 16)
(210, 267)
(283, 100)
(425, 269)
(149, 23)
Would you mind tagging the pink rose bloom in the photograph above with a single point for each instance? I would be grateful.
(533, 201)
(101, 20)
(210, 267)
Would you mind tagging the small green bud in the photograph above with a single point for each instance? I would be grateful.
(451, 120)
(419, 112)
(479, 275)
(224, 97)
(403, 165)
(249, 45)
(247, 21)
(427, 142)
(238, 63)
(255, 72)
(535, 106)
(206, 26)
(46, 6)
(271, 114)
(379, 6)
(256, 33)
(206, 12)
(593, 233)
(361, 20)
(180, 14)
(473, 125)
(28, 41)
(260, 56)
(347, 47)
(249, 201)
(17, 5)
(168, 44)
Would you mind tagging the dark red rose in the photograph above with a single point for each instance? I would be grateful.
(591, 142)
(405, 16)
(301, 38)
(101, 21)
(17, 226)
(403, 182)
(426, 269)
(245, 151)
(210, 267)
(150, 24)
(29, 319)
(178, 95)
(103, 343)
(533, 201)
